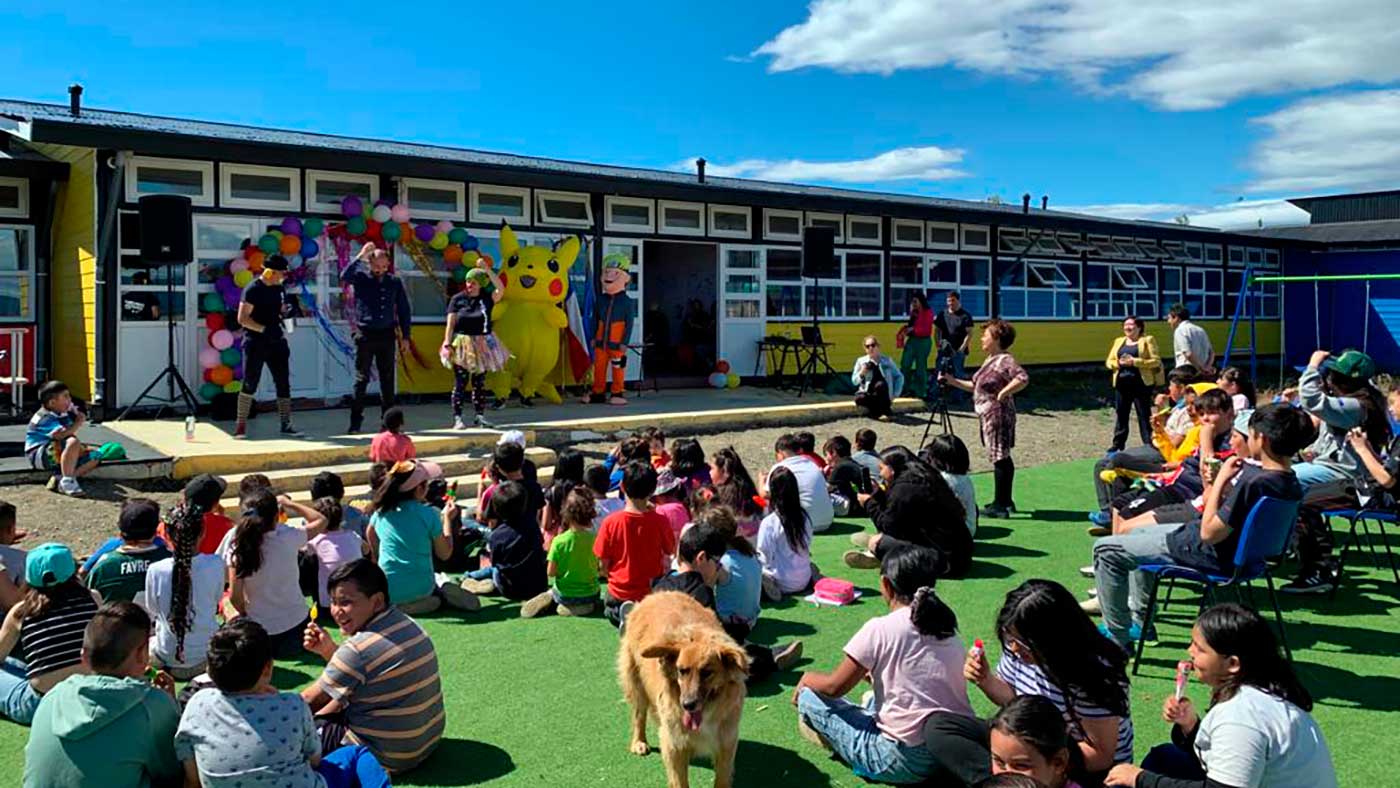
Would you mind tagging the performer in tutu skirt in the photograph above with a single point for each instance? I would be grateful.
(468, 344)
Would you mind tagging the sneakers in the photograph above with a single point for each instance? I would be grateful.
(483, 586)
(527, 402)
(458, 424)
(594, 399)
(1101, 518)
(995, 512)
(1091, 606)
(1087, 571)
(240, 430)
(290, 431)
(623, 611)
(537, 604)
(1317, 581)
(1135, 634)
(771, 592)
(788, 655)
(480, 421)
(860, 559)
(69, 486)
(861, 540)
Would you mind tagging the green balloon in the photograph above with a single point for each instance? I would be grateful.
(459, 274)
(232, 387)
(457, 236)
(230, 357)
(312, 228)
(356, 226)
(367, 210)
(268, 243)
(213, 302)
(210, 390)
(391, 232)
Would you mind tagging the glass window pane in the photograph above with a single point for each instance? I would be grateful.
(906, 269)
(784, 300)
(133, 274)
(863, 302)
(331, 191)
(784, 225)
(129, 230)
(571, 210)
(741, 308)
(15, 297)
(975, 238)
(1012, 302)
(862, 267)
(742, 258)
(427, 300)
(14, 249)
(681, 218)
(865, 230)
(248, 186)
(1096, 277)
(741, 284)
(912, 233)
(975, 271)
(828, 300)
(151, 305)
(634, 215)
(211, 235)
(9, 196)
(1040, 303)
(976, 301)
(899, 300)
(730, 221)
(943, 271)
(151, 179)
(784, 264)
(943, 236)
(426, 198)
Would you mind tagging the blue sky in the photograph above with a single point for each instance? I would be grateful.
(1125, 108)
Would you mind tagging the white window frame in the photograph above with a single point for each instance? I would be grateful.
(204, 168)
(1153, 249)
(800, 283)
(474, 200)
(226, 199)
(1099, 242)
(906, 290)
(834, 218)
(932, 288)
(1206, 273)
(1014, 235)
(28, 276)
(847, 285)
(1254, 256)
(1073, 243)
(314, 176)
(1128, 248)
(928, 235)
(1195, 252)
(1131, 293)
(633, 202)
(1037, 267)
(1236, 251)
(782, 213)
(853, 219)
(662, 205)
(1045, 236)
(895, 224)
(542, 216)
(1276, 261)
(21, 208)
(968, 246)
(744, 210)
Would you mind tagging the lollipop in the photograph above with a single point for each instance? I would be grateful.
(1183, 671)
(977, 649)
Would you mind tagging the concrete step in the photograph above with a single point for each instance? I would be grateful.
(454, 466)
(468, 484)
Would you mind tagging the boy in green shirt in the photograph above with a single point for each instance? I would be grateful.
(121, 574)
(572, 567)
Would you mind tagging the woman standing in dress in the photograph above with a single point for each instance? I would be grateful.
(993, 388)
(468, 344)
(917, 336)
(1137, 369)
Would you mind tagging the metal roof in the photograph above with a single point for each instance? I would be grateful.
(1372, 232)
(59, 114)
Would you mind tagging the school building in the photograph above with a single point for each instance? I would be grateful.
(725, 249)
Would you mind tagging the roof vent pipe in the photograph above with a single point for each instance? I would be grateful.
(1044, 201)
(700, 169)
(75, 99)
(1026, 203)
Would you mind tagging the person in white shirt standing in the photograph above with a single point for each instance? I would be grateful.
(1190, 343)
(811, 484)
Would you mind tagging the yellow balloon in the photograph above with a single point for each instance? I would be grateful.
(439, 241)
(243, 278)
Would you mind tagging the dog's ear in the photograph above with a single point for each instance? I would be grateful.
(734, 659)
(660, 651)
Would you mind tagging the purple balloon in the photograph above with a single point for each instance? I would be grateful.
(351, 206)
(383, 201)
(425, 232)
(291, 226)
(231, 299)
(238, 372)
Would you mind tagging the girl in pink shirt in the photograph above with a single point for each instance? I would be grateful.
(390, 444)
(669, 500)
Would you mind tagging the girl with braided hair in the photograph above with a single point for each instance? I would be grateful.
(183, 594)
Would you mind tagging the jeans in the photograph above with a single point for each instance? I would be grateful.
(1131, 394)
(1324, 487)
(18, 700)
(1122, 589)
(486, 573)
(376, 347)
(273, 354)
(352, 766)
(854, 737)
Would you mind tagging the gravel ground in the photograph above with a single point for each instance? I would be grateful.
(1043, 436)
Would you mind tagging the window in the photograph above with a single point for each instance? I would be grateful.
(906, 279)
(1171, 288)
(682, 218)
(784, 274)
(1103, 246)
(782, 225)
(492, 204)
(1152, 250)
(1013, 241)
(907, 233)
(1271, 258)
(193, 179)
(864, 277)
(863, 230)
(855, 293)
(251, 186)
(731, 221)
(1128, 248)
(1174, 251)
(1265, 295)
(568, 209)
(942, 235)
(833, 220)
(970, 276)
(1213, 253)
(629, 214)
(1117, 291)
(1039, 289)
(16, 273)
(1254, 256)
(1194, 253)
(1203, 292)
(1073, 244)
(1236, 257)
(14, 197)
(325, 190)
(976, 238)
(1044, 242)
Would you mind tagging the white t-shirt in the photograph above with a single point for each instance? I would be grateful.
(1189, 336)
(206, 589)
(962, 487)
(791, 568)
(1256, 739)
(811, 487)
(12, 559)
(273, 592)
(333, 548)
(868, 460)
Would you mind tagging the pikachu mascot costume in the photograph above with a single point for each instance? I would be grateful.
(528, 317)
(612, 316)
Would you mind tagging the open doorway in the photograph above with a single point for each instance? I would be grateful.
(679, 320)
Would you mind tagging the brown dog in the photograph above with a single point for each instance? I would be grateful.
(677, 664)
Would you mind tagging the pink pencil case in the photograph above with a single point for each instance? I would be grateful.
(835, 590)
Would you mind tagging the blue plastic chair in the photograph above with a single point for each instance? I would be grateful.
(1358, 519)
(1265, 537)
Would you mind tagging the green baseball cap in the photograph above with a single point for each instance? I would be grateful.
(479, 276)
(617, 260)
(49, 565)
(1352, 364)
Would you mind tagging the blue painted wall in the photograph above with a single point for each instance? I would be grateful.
(1344, 314)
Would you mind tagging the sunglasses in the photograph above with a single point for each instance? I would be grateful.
(871, 345)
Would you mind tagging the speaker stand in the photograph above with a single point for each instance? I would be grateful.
(171, 374)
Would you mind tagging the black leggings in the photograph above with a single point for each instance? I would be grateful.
(460, 379)
(272, 353)
(1131, 394)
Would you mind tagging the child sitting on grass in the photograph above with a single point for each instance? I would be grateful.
(204, 492)
(405, 534)
(631, 449)
(517, 569)
(1029, 737)
(51, 442)
(596, 477)
(121, 574)
(734, 487)
(669, 500)
(390, 444)
(948, 455)
(11, 557)
(330, 550)
(572, 566)
(328, 484)
(845, 478)
(633, 545)
(183, 594)
(244, 731)
(807, 447)
(656, 443)
(785, 538)
(688, 463)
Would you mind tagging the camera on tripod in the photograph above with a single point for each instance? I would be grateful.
(943, 362)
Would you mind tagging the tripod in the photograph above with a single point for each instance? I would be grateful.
(938, 409)
(171, 374)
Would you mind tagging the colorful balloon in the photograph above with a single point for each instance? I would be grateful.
(452, 254)
(238, 265)
(209, 391)
(221, 339)
(382, 213)
(351, 206)
(208, 358)
(471, 244)
(220, 376)
(400, 213)
(718, 381)
(214, 320)
(275, 233)
(243, 279)
(424, 232)
(291, 226)
(255, 257)
(457, 236)
(228, 358)
(213, 303)
(295, 261)
(438, 241)
(444, 227)
(233, 387)
(312, 228)
(289, 245)
(732, 380)
(309, 248)
(459, 274)
(368, 211)
(390, 232)
(722, 366)
(268, 244)
(355, 226)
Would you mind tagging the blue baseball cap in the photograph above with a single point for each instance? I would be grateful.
(49, 565)
(1242, 421)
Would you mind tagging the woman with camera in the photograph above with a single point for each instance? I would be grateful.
(877, 380)
(1137, 370)
(993, 388)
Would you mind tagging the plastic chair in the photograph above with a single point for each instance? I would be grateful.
(1264, 537)
(1358, 519)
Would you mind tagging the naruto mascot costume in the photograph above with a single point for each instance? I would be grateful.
(613, 316)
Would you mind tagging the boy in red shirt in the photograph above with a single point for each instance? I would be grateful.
(634, 546)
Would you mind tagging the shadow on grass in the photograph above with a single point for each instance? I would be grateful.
(464, 762)
(999, 550)
(1060, 516)
(986, 569)
(1333, 686)
(843, 527)
(771, 631)
(991, 533)
(764, 764)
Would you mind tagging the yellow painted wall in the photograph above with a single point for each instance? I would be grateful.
(73, 273)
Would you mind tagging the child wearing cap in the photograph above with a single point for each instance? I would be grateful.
(469, 345)
(203, 493)
(669, 500)
(51, 442)
(48, 623)
(120, 576)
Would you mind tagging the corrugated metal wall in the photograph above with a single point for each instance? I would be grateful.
(1355, 209)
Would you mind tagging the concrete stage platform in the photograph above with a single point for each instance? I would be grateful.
(214, 450)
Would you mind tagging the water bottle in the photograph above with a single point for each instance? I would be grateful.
(189, 427)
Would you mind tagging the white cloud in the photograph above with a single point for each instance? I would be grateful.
(1343, 142)
(924, 163)
(1154, 211)
(1239, 215)
(1181, 55)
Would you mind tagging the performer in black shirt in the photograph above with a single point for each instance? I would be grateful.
(383, 324)
(265, 304)
(468, 344)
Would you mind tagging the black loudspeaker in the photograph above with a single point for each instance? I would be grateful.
(167, 231)
(819, 253)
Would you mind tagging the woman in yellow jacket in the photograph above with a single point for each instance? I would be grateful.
(1137, 368)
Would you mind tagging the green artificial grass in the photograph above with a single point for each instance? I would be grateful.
(536, 702)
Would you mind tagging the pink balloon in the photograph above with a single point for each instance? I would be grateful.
(209, 358)
(238, 265)
(221, 339)
(445, 227)
(399, 213)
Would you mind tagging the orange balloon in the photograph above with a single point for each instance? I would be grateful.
(221, 375)
(255, 258)
(452, 254)
(289, 245)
